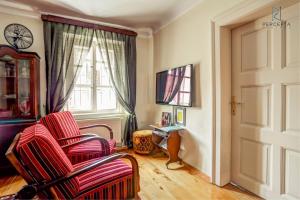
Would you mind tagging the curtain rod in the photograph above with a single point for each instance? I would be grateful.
(53, 18)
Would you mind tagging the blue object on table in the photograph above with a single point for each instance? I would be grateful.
(168, 129)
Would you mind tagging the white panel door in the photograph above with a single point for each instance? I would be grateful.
(266, 125)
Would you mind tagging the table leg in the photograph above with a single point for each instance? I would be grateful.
(173, 147)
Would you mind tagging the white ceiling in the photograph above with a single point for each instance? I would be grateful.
(132, 13)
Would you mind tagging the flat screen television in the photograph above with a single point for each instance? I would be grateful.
(174, 86)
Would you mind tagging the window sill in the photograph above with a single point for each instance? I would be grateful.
(87, 116)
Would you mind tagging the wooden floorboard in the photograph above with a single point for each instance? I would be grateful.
(158, 182)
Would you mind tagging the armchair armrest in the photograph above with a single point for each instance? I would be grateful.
(29, 191)
(111, 134)
(93, 137)
(77, 136)
(79, 171)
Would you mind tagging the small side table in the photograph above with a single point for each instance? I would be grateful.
(168, 140)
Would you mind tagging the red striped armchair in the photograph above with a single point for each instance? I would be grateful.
(78, 147)
(43, 164)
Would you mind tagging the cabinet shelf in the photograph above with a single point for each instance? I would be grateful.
(9, 96)
(19, 95)
(17, 71)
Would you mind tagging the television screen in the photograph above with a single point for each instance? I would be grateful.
(174, 86)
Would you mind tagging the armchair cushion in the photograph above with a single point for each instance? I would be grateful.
(89, 150)
(61, 125)
(45, 160)
(109, 181)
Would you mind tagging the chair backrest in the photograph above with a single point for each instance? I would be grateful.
(39, 159)
(61, 125)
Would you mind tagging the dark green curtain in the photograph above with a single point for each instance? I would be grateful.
(61, 67)
(119, 53)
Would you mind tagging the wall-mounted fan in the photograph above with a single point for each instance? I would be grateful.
(18, 36)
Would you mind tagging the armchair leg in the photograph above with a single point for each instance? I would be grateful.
(27, 192)
(136, 176)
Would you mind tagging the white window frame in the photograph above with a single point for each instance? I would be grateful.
(119, 111)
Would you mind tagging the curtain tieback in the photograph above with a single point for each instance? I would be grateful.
(133, 115)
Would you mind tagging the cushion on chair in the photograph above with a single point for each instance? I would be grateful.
(111, 181)
(45, 159)
(89, 150)
(61, 125)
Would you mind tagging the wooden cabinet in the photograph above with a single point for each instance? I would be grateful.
(19, 95)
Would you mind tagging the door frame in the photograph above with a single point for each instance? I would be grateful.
(221, 26)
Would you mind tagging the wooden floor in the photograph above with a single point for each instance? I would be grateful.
(157, 182)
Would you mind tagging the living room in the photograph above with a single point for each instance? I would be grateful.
(175, 99)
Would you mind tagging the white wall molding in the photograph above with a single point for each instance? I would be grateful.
(241, 10)
(18, 10)
(16, 5)
(144, 32)
(175, 16)
(27, 11)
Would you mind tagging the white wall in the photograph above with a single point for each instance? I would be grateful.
(144, 101)
(184, 41)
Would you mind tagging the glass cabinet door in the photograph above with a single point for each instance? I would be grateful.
(8, 87)
(24, 87)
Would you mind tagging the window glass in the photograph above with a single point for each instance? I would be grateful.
(93, 91)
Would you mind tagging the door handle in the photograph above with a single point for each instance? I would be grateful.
(234, 104)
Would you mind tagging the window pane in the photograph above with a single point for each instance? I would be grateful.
(185, 85)
(184, 98)
(98, 55)
(82, 55)
(85, 74)
(102, 75)
(106, 98)
(80, 99)
(103, 59)
(85, 69)
(188, 71)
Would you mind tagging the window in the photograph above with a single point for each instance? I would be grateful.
(93, 91)
(183, 96)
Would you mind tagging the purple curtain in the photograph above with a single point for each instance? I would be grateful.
(174, 81)
(161, 83)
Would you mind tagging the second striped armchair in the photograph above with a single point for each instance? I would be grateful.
(78, 147)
